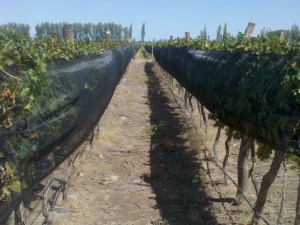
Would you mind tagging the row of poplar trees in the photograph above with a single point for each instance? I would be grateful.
(89, 31)
(82, 31)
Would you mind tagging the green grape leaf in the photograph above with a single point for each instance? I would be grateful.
(28, 106)
(264, 152)
(25, 91)
(8, 62)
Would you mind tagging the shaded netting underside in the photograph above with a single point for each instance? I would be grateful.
(249, 99)
(61, 120)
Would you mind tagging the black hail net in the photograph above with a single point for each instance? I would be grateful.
(249, 99)
(62, 118)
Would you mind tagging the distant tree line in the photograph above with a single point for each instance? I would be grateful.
(82, 31)
(16, 27)
(292, 35)
(221, 33)
(89, 31)
(203, 34)
(118, 32)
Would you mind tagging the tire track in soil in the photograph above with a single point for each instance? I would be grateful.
(143, 168)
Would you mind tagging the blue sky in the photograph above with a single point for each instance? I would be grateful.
(162, 17)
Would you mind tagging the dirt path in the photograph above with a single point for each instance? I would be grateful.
(150, 164)
(142, 168)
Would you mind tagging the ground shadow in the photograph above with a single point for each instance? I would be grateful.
(175, 169)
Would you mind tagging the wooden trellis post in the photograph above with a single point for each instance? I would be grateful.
(68, 32)
(187, 95)
(108, 35)
(282, 35)
(249, 29)
(187, 36)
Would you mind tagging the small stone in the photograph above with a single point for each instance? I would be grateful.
(81, 174)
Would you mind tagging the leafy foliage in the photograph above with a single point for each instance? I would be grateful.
(250, 84)
(292, 35)
(259, 46)
(27, 59)
(264, 152)
(25, 89)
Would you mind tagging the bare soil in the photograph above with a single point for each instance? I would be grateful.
(142, 169)
(150, 163)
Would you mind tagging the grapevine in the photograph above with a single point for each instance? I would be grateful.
(32, 101)
(247, 83)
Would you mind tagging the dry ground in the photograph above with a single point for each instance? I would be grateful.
(147, 164)
(143, 168)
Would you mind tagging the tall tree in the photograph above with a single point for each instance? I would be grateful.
(295, 33)
(117, 32)
(47, 28)
(143, 33)
(203, 34)
(89, 31)
(78, 31)
(16, 27)
(98, 31)
(219, 33)
(130, 32)
(126, 33)
(225, 32)
(263, 32)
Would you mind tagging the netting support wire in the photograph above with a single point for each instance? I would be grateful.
(235, 184)
(45, 199)
(52, 203)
